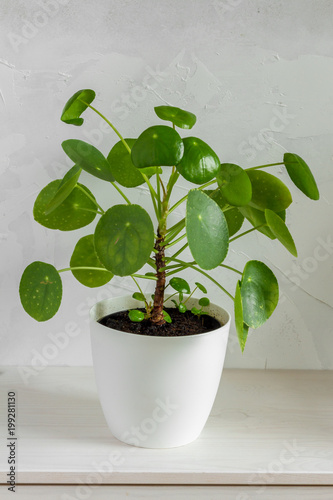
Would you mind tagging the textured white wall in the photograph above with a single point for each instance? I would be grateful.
(258, 74)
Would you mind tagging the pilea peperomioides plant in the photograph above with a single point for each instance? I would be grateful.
(124, 239)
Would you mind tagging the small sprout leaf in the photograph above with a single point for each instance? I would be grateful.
(136, 316)
(182, 308)
(204, 301)
(167, 317)
(138, 296)
(201, 287)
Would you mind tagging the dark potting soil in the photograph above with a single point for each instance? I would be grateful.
(182, 324)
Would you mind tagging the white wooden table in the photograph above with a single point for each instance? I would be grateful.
(270, 436)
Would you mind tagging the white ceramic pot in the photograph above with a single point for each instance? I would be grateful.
(156, 392)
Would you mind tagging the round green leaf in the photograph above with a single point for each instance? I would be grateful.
(280, 230)
(204, 302)
(206, 229)
(124, 239)
(76, 105)
(88, 158)
(257, 218)
(41, 290)
(235, 184)
(241, 328)
(260, 293)
(182, 308)
(157, 146)
(122, 168)
(268, 191)
(201, 287)
(138, 296)
(65, 188)
(179, 117)
(84, 255)
(199, 163)
(136, 316)
(301, 175)
(76, 211)
(180, 285)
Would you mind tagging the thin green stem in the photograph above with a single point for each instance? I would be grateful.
(158, 189)
(83, 268)
(247, 232)
(175, 227)
(111, 125)
(143, 276)
(264, 166)
(139, 287)
(89, 210)
(207, 276)
(176, 241)
(179, 270)
(177, 253)
(91, 198)
(121, 192)
(231, 269)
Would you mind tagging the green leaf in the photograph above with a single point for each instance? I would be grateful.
(136, 316)
(235, 184)
(280, 230)
(124, 239)
(84, 255)
(268, 191)
(180, 285)
(182, 308)
(167, 317)
(206, 229)
(122, 168)
(257, 218)
(195, 311)
(241, 328)
(65, 188)
(40, 290)
(75, 106)
(201, 287)
(260, 293)
(199, 163)
(88, 158)
(157, 146)
(76, 211)
(138, 296)
(204, 301)
(301, 175)
(179, 117)
(233, 216)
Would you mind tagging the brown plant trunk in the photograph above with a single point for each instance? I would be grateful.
(157, 314)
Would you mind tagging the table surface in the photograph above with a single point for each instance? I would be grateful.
(266, 428)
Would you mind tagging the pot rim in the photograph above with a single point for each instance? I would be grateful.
(221, 310)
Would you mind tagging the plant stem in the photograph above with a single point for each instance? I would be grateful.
(157, 315)
(247, 232)
(111, 125)
(91, 198)
(264, 166)
(175, 241)
(139, 287)
(83, 268)
(177, 253)
(121, 192)
(207, 276)
(143, 276)
(231, 269)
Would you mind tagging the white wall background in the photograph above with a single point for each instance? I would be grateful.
(244, 67)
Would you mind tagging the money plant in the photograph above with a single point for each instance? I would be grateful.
(126, 239)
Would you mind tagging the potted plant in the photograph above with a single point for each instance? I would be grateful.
(157, 378)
